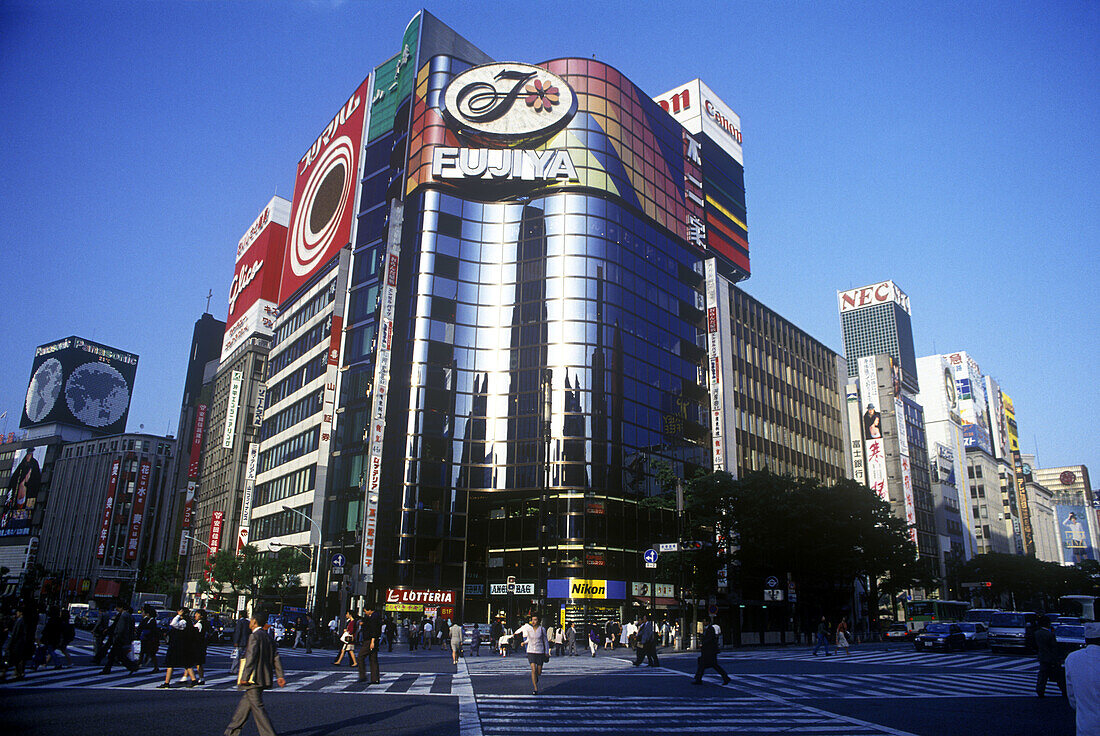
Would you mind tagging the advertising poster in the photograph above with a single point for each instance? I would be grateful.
(970, 394)
(23, 483)
(1074, 533)
(855, 433)
(137, 515)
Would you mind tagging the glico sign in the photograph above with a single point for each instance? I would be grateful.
(508, 103)
(869, 296)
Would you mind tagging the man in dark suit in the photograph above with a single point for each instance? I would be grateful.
(708, 657)
(259, 667)
(240, 640)
(647, 643)
(372, 634)
(122, 639)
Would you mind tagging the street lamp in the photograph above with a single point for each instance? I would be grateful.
(311, 597)
(196, 539)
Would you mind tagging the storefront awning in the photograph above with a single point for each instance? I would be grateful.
(107, 588)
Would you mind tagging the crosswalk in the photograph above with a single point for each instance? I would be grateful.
(511, 714)
(396, 683)
(878, 656)
(571, 666)
(986, 684)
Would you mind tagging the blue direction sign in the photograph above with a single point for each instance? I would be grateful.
(338, 560)
(650, 556)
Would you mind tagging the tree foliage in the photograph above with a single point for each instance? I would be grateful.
(1031, 583)
(253, 573)
(161, 577)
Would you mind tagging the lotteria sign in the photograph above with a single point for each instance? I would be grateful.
(582, 588)
(869, 296)
(420, 597)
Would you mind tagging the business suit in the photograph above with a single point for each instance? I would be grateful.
(122, 638)
(647, 645)
(240, 641)
(261, 665)
(372, 632)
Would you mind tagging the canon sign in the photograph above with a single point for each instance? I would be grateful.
(700, 111)
(869, 296)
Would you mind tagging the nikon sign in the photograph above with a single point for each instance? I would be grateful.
(589, 589)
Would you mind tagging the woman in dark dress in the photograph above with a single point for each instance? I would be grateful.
(180, 634)
(201, 638)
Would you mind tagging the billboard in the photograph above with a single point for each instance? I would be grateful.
(254, 293)
(79, 382)
(137, 515)
(108, 509)
(870, 296)
(971, 398)
(871, 428)
(324, 195)
(700, 111)
(1074, 533)
(23, 483)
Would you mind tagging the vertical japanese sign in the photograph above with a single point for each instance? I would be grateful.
(231, 410)
(216, 521)
(108, 509)
(196, 442)
(855, 436)
(1012, 430)
(714, 366)
(246, 499)
(377, 427)
(195, 462)
(871, 427)
(261, 404)
(137, 515)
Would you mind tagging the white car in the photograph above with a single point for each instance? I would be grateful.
(977, 635)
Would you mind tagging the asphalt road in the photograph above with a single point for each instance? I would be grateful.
(879, 689)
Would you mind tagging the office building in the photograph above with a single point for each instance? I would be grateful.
(875, 320)
(1075, 509)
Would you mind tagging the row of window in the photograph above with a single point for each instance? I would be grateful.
(302, 375)
(309, 340)
(301, 409)
(290, 449)
(280, 524)
(291, 484)
(303, 315)
(162, 448)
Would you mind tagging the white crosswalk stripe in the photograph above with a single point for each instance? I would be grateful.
(909, 685)
(910, 657)
(511, 714)
(571, 666)
(392, 683)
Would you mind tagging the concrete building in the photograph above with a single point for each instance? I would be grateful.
(987, 506)
(1075, 509)
(1048, 546)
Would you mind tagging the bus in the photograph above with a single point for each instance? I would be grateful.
(918, 612)
(1080, 606)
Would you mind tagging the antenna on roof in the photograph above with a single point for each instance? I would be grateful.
(209, 296)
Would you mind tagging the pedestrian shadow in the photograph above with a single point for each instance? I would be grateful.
(367, 719)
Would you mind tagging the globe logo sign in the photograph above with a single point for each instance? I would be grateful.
(97, 394)
(44, 389)
(508, 102)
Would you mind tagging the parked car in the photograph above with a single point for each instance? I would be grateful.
(1013, 630)
(91, 618)
(164, 617)
(980, 615)
(1069, 638)
(977, 635)
(937, 635)
(482, 633)
(898, 632)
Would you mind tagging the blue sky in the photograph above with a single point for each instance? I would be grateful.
(951, 147)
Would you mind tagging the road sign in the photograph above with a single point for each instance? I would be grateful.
(771, 582)
(651, 565)
(712, 610)
(668, 547)
(650, 556)
(773, 595)
(337, 571)
(338, 560)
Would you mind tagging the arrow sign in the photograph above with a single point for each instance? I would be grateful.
(338, 560)
(771, 582)
(650, 556)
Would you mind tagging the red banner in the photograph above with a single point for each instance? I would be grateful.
(324, 195)
(112, 486)
(196, 442)
(216, 520)
(422, 597)
(138, 514)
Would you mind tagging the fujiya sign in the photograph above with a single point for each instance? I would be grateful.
(869, 296)
(502, 164)
(508, 102)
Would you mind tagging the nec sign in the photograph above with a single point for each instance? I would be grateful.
(873, 295)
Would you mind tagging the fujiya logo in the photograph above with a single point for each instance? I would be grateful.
(508, 102)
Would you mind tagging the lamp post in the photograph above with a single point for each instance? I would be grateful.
(312, 594)
(193, 538)
(545, 416)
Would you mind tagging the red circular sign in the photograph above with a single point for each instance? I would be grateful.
(1067, 477)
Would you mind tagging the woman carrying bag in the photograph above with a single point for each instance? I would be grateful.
(842, 636)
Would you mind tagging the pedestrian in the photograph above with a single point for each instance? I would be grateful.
(593, 639)
(1083, 682)
(178, 655)
(505, 640)
(148, 636)
(56, 635)
(122, 640)
(456, 642)
(842, 636)
(260, 666)
(371, 632)
(559, 642)
(202, 635)
(443, 634)
(708, 657)
(333, 632)
(239, 640)
(822, 637)
(475, 640)
(20, 643)
(496, 630)
(571, 639)
(426, 632)
(101, 636)
(411, 634)
(1050, 664)
(645, 641)
(538, 649)
(626, 634)
(550, 634)
(347, 639)
(311, 633)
